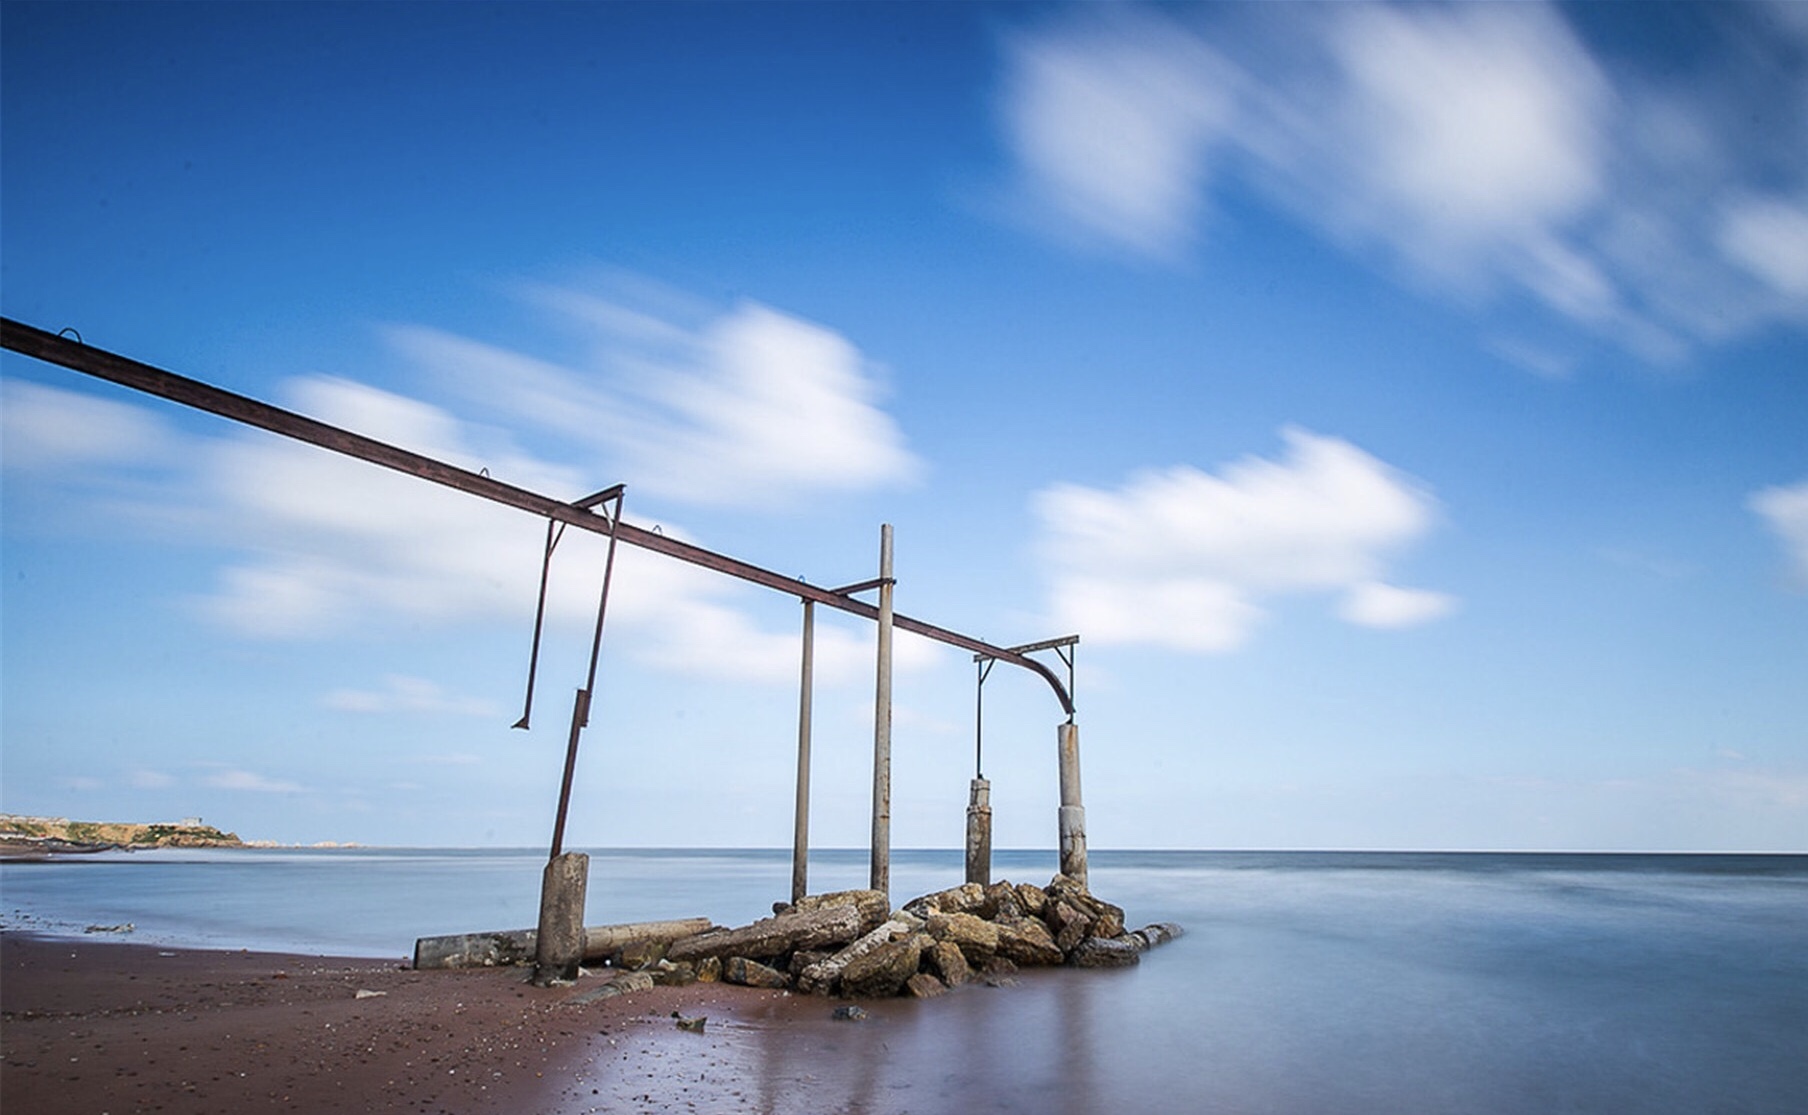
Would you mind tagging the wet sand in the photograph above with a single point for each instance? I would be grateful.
(103, 1026)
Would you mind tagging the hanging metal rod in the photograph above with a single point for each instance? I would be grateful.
(31, 341)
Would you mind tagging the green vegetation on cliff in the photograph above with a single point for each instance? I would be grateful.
(182, 834)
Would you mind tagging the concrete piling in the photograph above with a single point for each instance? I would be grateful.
(1072, 817)
(800, 816)
(979, 833)
(881, 847)
(559, 941)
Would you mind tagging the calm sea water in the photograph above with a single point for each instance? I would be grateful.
(1307, 982)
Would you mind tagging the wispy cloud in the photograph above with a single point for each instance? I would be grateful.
(251, 782)
(1183, 558)
(756, 403)
(1482, 150)
(1114, 125)
(746, 405)
(407, 695)
(1784, 510)
(1374, 604)
(52, 429)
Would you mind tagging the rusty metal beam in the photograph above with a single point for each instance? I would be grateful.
(31, 341)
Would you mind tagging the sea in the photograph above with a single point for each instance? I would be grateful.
(1306, 982)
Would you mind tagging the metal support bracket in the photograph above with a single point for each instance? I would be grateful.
(580, 708)
(1064, 648)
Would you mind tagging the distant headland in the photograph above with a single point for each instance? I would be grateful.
(37, 836)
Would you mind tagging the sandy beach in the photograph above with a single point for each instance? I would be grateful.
(104, 1026)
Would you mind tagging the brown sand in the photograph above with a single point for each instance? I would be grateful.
(89, 1026)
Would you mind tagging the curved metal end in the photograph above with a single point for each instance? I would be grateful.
(521, 723)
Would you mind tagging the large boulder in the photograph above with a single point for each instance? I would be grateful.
(1026, 942)
(873, 907)
(884, 970)
(1107, 920)
(824, 976)
(975, 937)
(751, 973)
(955, 900)
(1000, 902)
(1031, 899)
(1069, 923)
(945, 959)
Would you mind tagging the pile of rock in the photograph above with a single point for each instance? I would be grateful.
(850, 944)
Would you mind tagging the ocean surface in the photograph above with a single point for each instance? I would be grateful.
(1396, 983)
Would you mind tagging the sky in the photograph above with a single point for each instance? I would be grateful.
(1406, 406)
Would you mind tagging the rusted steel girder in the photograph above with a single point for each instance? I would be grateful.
(31, 341)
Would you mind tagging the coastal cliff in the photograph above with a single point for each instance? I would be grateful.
(28, 835)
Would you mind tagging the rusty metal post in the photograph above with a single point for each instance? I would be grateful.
(580, 708)
(1072, 815)
(881, 849)
(800, 826)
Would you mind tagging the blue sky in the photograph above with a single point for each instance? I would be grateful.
(1407, 406)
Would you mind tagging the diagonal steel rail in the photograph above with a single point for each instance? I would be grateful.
(51, 348)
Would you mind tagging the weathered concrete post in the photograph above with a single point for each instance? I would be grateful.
(800, 826)
(979, 834)
(559, 941)
(881, 850)
(1073, 812)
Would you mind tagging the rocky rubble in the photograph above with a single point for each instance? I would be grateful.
(850, 945)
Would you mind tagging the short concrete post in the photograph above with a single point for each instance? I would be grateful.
(1073, 811)
(979, 834)
(559, 941)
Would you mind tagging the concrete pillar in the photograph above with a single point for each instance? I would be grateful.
(800, 823)
(979, 834)
(1073, 811)
(559, 941)
(881, 850)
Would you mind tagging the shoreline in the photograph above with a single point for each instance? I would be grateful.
(114, 1026)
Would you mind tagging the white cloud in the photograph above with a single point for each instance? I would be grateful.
(50, 428)
(330, 546)
(150, 780)
(1784, 510)
(748, 406)
(1474, 123)
(250, 782)
(1769, 237)
(1114, 132)
(409, 695)
(1183, 558)
(1481, 148)
(1373, 604)
(345, 544)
